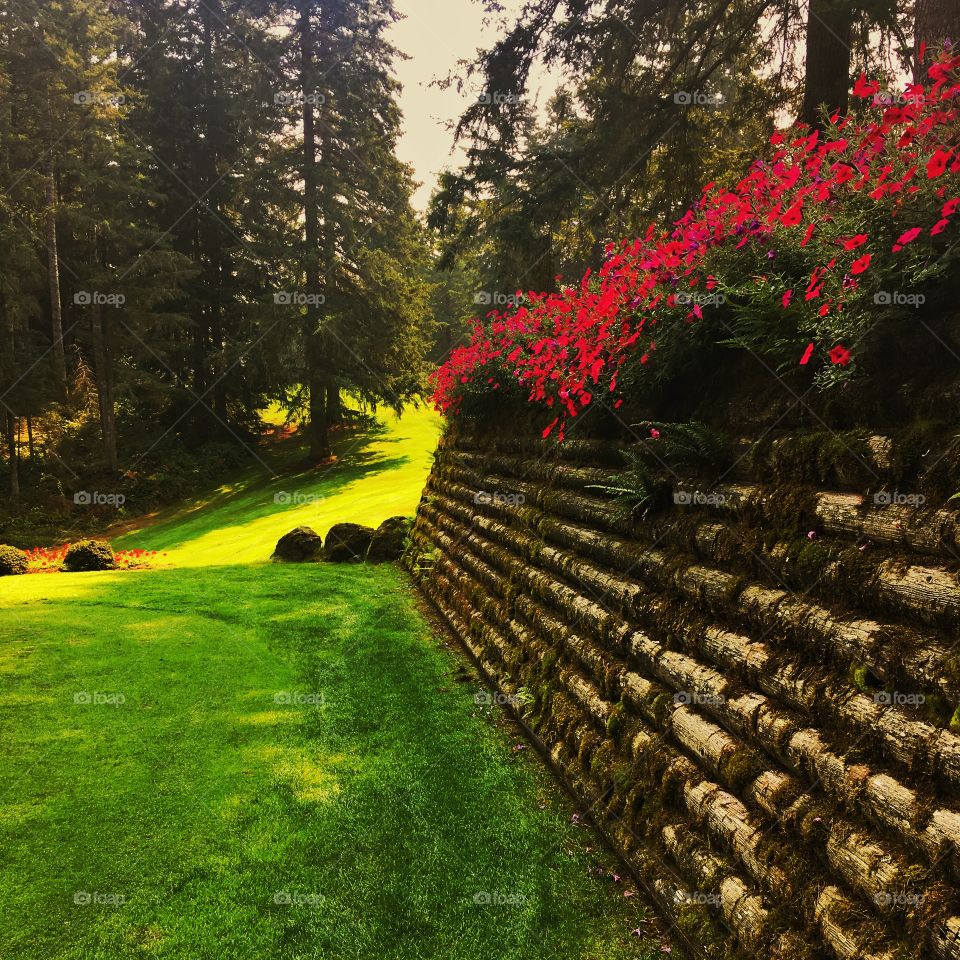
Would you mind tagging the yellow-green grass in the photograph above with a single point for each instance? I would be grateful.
(379, 473)
(231, 758)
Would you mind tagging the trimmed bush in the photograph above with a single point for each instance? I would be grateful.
(347, 543)
(13, 562)
(299, 545)
(89, 555)
(389, 540)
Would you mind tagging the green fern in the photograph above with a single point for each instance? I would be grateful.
(691, 444)
(633, 489)
(667, 445)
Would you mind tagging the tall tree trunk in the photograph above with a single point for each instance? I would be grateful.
(935, 21)
(13, 428)
(53, 268)
(318, 431)
(102, 364)
(30, 437)
(334, 404)
(827, 81)
(220, 359)
(199, 316)
(213, 240)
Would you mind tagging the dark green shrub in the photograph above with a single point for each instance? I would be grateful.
(13, 562)
(89, 555)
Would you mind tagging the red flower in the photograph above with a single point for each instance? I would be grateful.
(937, 164)
(840, 356)
(807, 354)
(794, 215)
(787, 297)
(858, 241)
(864, 88)
(858, 266)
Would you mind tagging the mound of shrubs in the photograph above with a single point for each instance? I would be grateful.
(13, 562)
(346, 543)
(389, 540)
(299, 545)
(89, 555)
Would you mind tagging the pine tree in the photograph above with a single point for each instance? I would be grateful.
(363, 267)
(203, 80)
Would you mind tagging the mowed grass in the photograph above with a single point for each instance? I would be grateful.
(380, 472)
(255, 761)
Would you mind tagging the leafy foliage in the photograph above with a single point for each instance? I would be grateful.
(13, 562)
(796, 263)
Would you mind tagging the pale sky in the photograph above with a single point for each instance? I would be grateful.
(435, 35)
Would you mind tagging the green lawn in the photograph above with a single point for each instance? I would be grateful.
(227, 758)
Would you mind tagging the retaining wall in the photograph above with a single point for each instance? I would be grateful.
(752, 692)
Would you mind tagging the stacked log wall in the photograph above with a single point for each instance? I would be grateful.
(751, 692)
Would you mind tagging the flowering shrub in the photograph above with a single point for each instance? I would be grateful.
(831, 234)
(50, 559)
